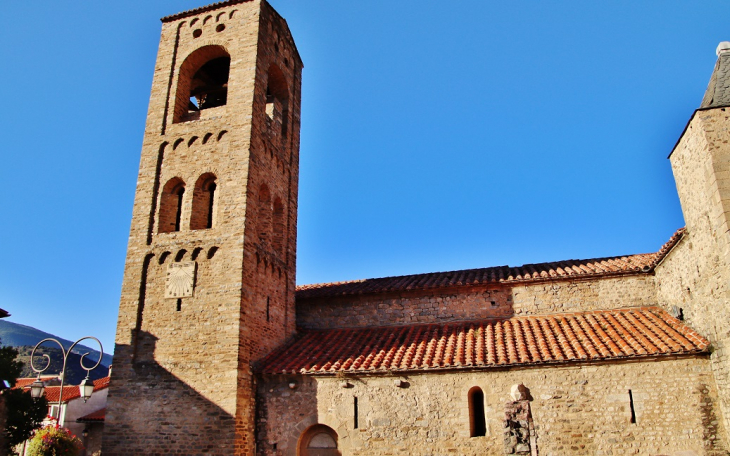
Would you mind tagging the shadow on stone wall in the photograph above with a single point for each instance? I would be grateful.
(274, 396)
(151, 411)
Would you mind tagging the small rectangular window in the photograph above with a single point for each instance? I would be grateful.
(355, 413)
(631, 405)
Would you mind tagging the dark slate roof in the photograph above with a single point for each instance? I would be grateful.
(570, 269)
(718, 90)
(603, 335)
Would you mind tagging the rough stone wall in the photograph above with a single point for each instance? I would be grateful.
(182, 382)
(404, 308)
(694, 276)
(576, 410)
(442, 305)
(92, 443)
(269, 273)
(582, 295)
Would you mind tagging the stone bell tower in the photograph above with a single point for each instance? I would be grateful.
(695, 279)
(210, 272)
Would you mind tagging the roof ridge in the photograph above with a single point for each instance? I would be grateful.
(548, 270)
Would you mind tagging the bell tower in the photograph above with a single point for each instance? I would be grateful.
(210, 271)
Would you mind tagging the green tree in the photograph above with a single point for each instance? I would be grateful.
(10, 369)
(23, 413)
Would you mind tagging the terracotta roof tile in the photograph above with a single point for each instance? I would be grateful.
(26, 381)
(201, 9)
(96, 416)
(69, 391)
(532, 340)
(596, 267)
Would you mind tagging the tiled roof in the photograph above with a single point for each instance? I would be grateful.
(519, 341)
(569, 269)
(4, 313)
(96, 416)
(69, 391)
(23, 382)
(202, 9)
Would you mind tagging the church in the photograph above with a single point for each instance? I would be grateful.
(218, 352)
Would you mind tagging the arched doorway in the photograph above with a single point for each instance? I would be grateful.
(318, 440)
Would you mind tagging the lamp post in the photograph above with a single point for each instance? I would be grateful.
(85, 388)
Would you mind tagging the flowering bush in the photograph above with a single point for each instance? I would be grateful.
(54, 441)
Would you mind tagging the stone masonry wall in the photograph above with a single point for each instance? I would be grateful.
(584, 295)
(182, 382)
(404, 308)
(267, 314)
(694, 277)
(576, 410)
(476, 303)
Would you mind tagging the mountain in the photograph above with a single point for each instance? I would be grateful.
(74, 372)
(17, 335)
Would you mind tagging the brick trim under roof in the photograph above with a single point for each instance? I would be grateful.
(559, 270)
(201, 9)
(519, 341)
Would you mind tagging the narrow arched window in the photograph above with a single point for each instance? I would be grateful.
(278, 225)
(264, 219)
(277, 100)
(477, 419)
(171, 203)
(203, 211)
(202, 82)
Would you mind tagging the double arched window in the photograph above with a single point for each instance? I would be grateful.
(202, 215)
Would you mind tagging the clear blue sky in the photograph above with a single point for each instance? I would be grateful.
(435, 136)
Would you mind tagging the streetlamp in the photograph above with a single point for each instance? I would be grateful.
(85, 388)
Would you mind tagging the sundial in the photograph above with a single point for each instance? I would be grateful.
(180, 280)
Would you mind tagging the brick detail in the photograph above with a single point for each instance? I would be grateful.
(183, 366)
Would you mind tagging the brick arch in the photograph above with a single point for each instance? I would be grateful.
(186, 83)
(277, 98)
(264, 213)
(171, 204)
(202, 215)
(318, 440)
(277, 222)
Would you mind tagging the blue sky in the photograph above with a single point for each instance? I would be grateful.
(435, 136)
